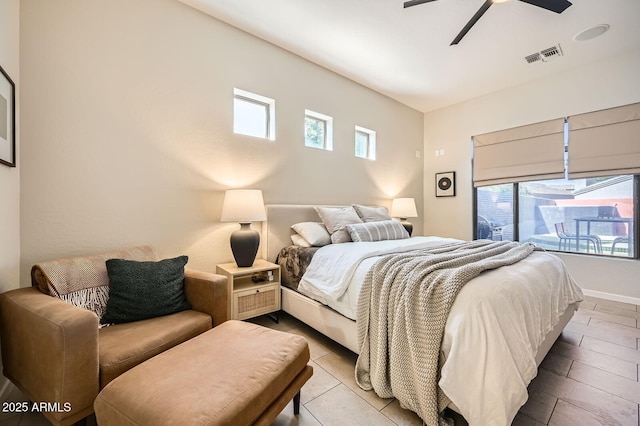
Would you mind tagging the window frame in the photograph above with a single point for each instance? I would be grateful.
(371, 142)
(327, 142)
(269, 116)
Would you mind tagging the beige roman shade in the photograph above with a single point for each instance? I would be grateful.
(603, 143)
(524, 153)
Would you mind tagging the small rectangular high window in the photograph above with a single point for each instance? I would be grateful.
(365, 143)
(253, 115)
(318, 130)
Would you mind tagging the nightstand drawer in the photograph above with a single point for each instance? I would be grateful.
(260, 300)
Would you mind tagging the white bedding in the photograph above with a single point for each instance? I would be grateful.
(494, 328)
(337, 271)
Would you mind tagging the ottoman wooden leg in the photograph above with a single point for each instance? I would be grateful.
(296, 403)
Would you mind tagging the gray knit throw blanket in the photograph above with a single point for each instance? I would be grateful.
(402, 310)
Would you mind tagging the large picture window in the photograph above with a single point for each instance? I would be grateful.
(520, 196)
(590, 215)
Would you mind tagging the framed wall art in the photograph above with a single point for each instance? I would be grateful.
(446, 184)
(7, 120)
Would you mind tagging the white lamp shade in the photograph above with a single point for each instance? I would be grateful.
(243, 206)
(403, 207)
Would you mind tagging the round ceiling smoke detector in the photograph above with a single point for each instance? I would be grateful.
(592, 32)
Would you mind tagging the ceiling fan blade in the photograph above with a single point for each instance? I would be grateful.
(557, 6)
(487, 4)
(415, 2)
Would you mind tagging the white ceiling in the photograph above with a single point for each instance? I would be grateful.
(405, 53)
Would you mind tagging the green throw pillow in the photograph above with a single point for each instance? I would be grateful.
(141, 290)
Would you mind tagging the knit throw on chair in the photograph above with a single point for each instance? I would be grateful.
(83, 281)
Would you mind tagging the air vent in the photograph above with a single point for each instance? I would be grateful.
(544, 55)
(533, 57)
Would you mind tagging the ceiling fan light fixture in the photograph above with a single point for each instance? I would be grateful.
(591, 33)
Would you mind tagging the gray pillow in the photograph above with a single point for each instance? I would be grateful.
(141, 290)
(335, 218)
(377, 231)
(372, 214)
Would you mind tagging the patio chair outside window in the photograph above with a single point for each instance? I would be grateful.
(612, 212)
(567, 237)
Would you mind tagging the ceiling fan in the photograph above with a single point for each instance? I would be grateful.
(557, 6)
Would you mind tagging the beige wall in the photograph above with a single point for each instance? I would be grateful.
(127, 130)
(609, 83)
(10, 176)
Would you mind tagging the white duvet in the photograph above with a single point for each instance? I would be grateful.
(494, 329)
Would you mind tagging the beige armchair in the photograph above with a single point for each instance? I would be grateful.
(55, 353)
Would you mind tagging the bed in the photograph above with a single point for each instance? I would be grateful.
(479, 383)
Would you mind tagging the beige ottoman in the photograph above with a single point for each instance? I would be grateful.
(237, 373)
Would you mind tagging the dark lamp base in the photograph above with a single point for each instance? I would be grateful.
(244, 245)
(407, 225)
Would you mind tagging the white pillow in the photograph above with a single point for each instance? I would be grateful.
(297, 240)
(377, 231)
(372, 214)
(315, 233)
(335, 218)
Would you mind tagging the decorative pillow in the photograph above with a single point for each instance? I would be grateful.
(297, 240)
(372, 214)
(141, 290)
(335, 219)
(315, 233)
(377, 231)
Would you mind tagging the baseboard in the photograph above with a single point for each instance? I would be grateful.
(613, 297)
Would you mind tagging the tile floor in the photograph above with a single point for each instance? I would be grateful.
(590, 377)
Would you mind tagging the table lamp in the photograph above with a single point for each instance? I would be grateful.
(244, 206)
(404, 208)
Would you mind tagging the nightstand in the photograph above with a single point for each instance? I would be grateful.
(254, 290)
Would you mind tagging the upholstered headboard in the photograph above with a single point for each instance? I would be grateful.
(276, 230)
